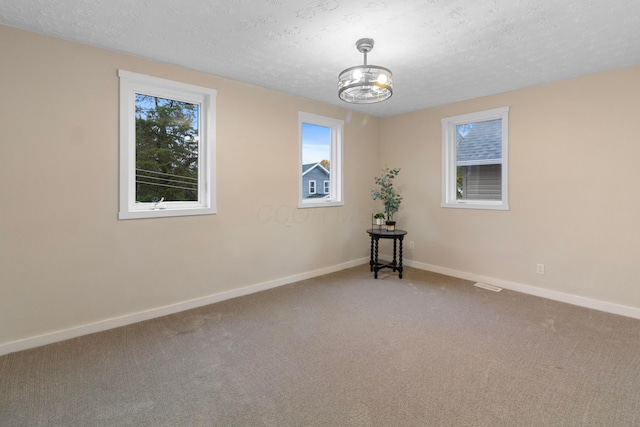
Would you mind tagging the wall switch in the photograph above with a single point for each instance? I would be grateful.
(412, 244)
(540, 268)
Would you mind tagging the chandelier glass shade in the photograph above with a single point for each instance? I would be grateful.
(365, 84)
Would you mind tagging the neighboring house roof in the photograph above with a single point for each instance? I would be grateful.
(482, 145)
(310, 166)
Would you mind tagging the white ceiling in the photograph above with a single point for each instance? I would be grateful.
(440, 51)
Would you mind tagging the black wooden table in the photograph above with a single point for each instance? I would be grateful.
(376, 235)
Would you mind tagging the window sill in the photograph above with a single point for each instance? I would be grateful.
(479, 204)
(319, 204)
(163, 213)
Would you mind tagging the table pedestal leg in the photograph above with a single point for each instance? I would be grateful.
(375, 262)
(371, 257)
(400, 264)
(394, 253)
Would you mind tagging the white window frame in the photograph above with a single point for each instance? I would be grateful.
(449, 150)
(205, 98)
(326, 188)
(336, 173)
(312, 186)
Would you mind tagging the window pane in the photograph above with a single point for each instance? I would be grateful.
(320, 160)
(479, 160)
(482, 182)
(316, 152)
(167, 142)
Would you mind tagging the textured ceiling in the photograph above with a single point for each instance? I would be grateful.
(440, 51)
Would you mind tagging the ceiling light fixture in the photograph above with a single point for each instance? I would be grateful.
(365, 84)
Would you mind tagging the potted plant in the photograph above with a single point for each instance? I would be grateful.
(379, 218)
(385, 192)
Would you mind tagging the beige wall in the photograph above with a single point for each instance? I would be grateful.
(574, 148)
(65, 259)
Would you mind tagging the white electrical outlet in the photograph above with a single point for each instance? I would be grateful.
(412, 245)
(540, 268)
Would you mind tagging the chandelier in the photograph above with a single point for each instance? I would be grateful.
(365, 84)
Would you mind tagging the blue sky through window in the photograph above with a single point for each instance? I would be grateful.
(316, 143)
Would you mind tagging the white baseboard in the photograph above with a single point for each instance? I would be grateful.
(115, 322)
(608, 307)
(103, 325)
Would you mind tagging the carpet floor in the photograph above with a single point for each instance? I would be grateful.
(341, 350)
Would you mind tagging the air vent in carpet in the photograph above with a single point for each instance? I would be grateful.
(488, 287)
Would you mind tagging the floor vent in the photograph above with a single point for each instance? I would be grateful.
(488, 287)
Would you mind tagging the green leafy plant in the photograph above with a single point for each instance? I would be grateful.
(385, 192)
(379, 215)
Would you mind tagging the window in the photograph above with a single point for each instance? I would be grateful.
(320, 160)
(167, 148)
(474, 160)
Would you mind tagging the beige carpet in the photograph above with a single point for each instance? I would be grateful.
(341, 350)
